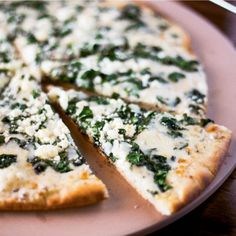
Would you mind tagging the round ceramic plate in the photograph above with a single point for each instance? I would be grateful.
(125, 212)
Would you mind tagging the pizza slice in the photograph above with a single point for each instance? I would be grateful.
(169, 159)
(40, 166)
(137, 80)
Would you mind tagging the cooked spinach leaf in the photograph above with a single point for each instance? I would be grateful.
(85, 114)
(71, 108)
(61, 166)
(167, 102)
(196, 96)
(68, 72)
(6, 160)
(155, 163)
(21, 106)
(2, 139)
(173, 126)
(175, 76)
(158, 78)
(35, 94)
(136, 156)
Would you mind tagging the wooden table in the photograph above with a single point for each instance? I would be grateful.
(216, 216)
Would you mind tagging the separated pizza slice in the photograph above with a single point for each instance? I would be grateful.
(40, 166)
(168, 159)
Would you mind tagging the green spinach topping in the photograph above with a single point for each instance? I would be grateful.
(205, 122)
(144, 51)
(133, 14)
(155, 163)
(158, 78)
(37, 5)
(63, 31)
(85, 117)
(61, 166)
(6, 54)
(2, 139)
(152, 53)
(21, 106)
(6, 160)
(99, 100)
(96, 128)
(140, 120)
(13, 17)
(12, 122)
(196, 96)
(31, 38)
(89, 49)
(68, 72)
(71, 108)
(195, 109)
(163, 26)
(136, 156)
(168, 102)
(115, 52)
(176, 76)
(85, 114)
(21, 143)
(88, 78)
(188, 120)
(35, 94)
(173, 126)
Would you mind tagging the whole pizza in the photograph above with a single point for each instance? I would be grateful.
(128, 79)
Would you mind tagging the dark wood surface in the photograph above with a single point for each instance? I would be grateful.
(216, 216)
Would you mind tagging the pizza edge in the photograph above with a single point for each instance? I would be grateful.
(89, 192)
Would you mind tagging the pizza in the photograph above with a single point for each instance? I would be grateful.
(129, 80)
(167, 158)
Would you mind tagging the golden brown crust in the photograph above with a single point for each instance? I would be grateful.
(87, 193)
(223, 137)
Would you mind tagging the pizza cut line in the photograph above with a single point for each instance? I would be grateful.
(143, 105)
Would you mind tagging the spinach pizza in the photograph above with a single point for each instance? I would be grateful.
(137, 91)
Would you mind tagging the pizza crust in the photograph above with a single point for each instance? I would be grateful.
(87, 193)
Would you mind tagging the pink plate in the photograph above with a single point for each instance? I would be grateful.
(125, 212)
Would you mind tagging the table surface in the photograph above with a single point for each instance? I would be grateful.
(216, 216)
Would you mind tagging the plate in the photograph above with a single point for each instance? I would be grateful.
(125, 212)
